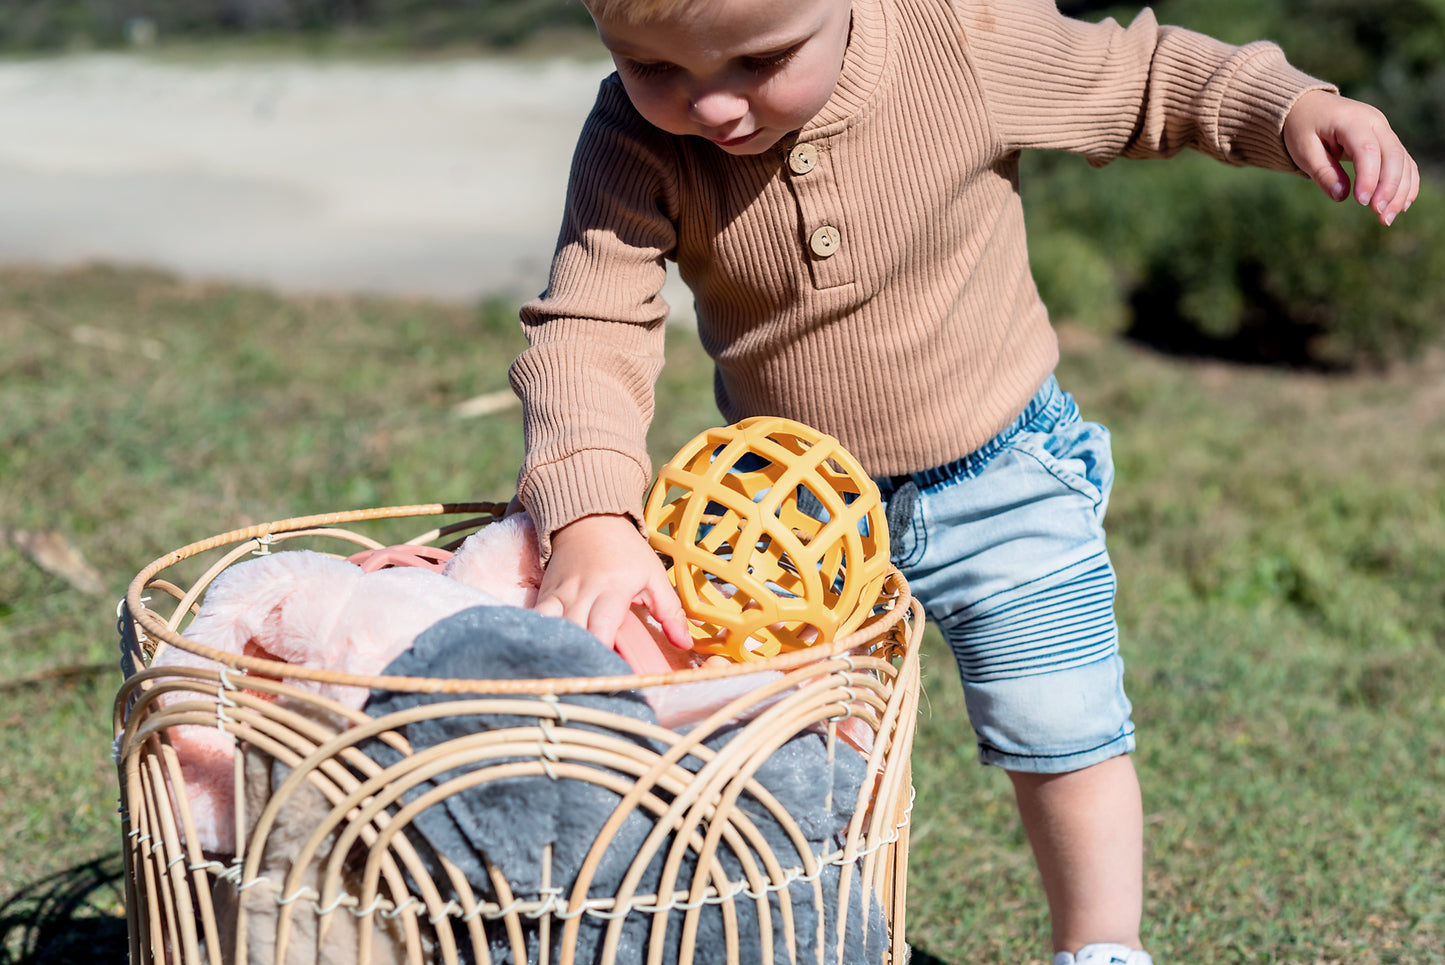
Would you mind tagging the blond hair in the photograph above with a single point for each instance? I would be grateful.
(636, 11)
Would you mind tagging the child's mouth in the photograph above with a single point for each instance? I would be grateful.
(734, 141)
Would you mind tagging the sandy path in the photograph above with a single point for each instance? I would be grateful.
(444, 180)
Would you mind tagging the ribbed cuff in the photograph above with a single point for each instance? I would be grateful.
(1264, 89)
(587, 483)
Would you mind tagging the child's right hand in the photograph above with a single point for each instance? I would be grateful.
(600, 567)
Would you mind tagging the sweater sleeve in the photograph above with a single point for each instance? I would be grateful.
(1142, 91)
(595, 336)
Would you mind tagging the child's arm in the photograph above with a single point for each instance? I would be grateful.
(600, 566)
(596, 340)
(1323, 129)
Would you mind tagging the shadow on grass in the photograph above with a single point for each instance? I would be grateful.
(921, 956)
(76, 916)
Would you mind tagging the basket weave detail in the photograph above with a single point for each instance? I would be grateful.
(324, 826)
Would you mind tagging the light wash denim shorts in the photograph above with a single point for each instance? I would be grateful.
(1005, 549)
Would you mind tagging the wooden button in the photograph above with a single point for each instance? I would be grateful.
(802, 158)
(825, 241)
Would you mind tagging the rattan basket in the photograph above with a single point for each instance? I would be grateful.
(359, 887)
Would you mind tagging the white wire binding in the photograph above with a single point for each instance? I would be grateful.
(211, 866)
(226, 684)
(376, 905)
(305, 891)
(547, 747)
(244, 886)
(341, 899)
(223, 701)
(450, 908)
(140, 634)
(552, 901)
(403, 907)
(558, 708)
(471, 916)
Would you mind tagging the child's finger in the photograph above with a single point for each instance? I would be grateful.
(549, 606)
(1324, 168)
(1387, 199)
(604, 616)
(1414, 192)
(551, 603)
(1405, 193)
(1386, 177)
(666, 609)
(1366, 158)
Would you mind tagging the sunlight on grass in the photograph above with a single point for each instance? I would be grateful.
(1280, 540)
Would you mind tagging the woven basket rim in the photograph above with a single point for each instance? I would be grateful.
(867, 635)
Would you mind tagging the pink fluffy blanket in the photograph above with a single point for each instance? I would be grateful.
(309, 609)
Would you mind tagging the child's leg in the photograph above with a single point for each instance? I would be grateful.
(1087, 829)
(1006, 550)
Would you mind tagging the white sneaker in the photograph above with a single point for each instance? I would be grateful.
(1104, 953)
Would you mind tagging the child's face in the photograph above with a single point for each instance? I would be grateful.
(741, 73)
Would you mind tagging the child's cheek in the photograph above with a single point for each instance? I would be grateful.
(656, 107)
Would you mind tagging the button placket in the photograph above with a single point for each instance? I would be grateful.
(820, 209)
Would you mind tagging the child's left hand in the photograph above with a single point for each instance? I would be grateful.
(1323, 129)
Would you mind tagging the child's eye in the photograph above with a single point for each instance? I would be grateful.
(765, 63)
(644, 69)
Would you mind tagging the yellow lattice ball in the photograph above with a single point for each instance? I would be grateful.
(758, 572)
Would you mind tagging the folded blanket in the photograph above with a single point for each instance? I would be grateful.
(510, 821)
(513, 823)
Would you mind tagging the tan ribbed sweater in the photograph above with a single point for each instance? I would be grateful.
(921, 334)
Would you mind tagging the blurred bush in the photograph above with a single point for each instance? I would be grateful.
(1194, 257)
(1390, 53)
(416, 24)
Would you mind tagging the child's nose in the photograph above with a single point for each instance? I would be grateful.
(717, 107)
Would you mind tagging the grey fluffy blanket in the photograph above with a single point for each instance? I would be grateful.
(511, 821)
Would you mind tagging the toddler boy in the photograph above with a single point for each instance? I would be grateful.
(838, 183)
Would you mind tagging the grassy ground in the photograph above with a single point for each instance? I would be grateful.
(1280, 540)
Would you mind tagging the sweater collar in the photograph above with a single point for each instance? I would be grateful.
(863, 64)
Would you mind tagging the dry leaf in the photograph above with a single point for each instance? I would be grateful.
(56, 555)
(489, 403)
(113, 342)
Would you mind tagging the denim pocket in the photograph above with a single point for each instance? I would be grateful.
(1078, 455)
(908, 526)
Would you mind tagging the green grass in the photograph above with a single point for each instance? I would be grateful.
(1280, 539)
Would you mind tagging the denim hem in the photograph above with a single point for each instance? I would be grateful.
(1058, 763)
